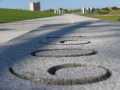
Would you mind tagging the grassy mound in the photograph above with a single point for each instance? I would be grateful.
(10, 15)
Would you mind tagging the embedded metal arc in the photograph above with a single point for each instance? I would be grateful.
(63, 52)
(63, 81)
(67, 42)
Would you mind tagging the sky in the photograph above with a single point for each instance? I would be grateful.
(46, 4)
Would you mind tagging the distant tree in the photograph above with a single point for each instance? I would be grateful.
(61, 8)
(93, 10)
(106, 8)
(66, 10)
(51, 10)
(103, 12)
(115, 8)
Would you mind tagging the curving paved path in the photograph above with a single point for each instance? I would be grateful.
(19, 70)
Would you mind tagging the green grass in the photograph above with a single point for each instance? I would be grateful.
(10, 15)
(113, 15)
(114, 12)
(111, 18)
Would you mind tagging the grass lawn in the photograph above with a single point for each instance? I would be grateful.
(113, 15)
(107, 17)
(10, 15)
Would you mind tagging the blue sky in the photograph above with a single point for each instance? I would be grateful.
(46, 4)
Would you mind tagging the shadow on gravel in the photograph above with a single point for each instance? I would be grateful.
(63, 53)
(5, 29)
(16, 53)
(53, 25)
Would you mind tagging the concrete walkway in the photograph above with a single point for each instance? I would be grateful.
(66, 52)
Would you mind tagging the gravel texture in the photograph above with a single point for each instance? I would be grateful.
(16, 53)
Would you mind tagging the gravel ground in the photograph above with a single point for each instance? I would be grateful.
(22, 71)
